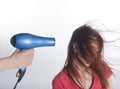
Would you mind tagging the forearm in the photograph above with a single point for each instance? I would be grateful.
(5, 64)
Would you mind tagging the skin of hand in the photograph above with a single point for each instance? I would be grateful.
(19, 59)
(22, 59)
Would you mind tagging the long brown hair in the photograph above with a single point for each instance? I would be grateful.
(80, 53)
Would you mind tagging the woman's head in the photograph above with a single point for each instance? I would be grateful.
(87, 44)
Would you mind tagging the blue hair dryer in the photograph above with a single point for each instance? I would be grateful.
(24, 41)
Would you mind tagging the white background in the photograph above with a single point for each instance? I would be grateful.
(49, 18)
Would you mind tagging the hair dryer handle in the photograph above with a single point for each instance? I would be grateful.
(21, 73)
(22, 70)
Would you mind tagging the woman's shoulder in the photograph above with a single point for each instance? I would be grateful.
(62, 81)
(61, 76)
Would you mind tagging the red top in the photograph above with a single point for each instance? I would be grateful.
(62, 81)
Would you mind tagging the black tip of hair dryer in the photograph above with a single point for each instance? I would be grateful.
(24, 41)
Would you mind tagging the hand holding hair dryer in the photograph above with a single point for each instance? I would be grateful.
(24, 41)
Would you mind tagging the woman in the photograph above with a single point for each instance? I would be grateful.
(84, 67)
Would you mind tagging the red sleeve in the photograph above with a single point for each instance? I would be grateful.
(56, 84)
(59, 82)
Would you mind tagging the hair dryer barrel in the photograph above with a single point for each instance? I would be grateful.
(29, 41)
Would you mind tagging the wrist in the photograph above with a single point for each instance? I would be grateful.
(11, 62)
